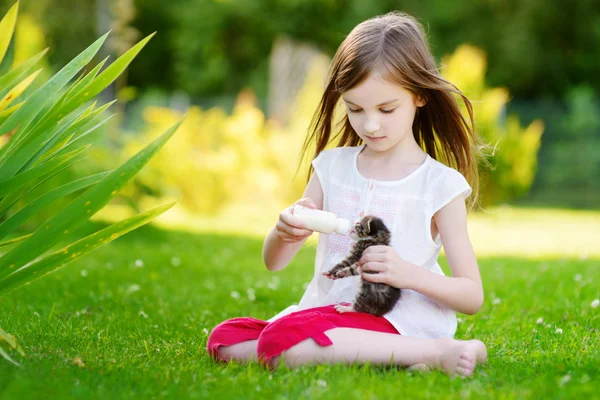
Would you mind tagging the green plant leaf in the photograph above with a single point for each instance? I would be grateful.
(46, 199)
(86, 80)
(7, 27)
(42, 153)
(17, 90)
(105, 78)
(9, 111)
(7, 357)
(15, 240)
(17, 74)
(24, 178)
(80, 209)
(76, 250)
(12, 343)
(23, 117)
(12, 198)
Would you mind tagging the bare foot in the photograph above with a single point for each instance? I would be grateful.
(461, 356)
(342, 309)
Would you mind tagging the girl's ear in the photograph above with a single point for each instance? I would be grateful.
(420, 101)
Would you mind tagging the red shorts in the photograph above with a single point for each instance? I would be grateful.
(278, 336)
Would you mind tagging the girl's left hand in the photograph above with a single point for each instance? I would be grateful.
(388, 267)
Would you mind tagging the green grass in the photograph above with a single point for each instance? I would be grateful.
(141, 329)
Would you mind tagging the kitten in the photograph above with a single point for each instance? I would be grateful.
(373, 298)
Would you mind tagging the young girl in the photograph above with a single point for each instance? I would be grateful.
(405, 154)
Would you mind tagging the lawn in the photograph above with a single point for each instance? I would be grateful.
(133, 318)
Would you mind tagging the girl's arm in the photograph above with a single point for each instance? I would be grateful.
(463, 291)
(287, 236)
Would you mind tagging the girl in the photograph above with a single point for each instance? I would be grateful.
(405, 154)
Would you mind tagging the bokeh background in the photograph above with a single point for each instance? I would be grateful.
(248, 74)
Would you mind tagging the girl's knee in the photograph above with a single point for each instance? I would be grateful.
(234, 338)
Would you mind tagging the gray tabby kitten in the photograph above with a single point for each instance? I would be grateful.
(372, 297)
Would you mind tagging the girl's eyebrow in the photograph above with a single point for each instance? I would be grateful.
(379, 105)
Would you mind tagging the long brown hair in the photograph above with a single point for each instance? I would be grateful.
(396, 42)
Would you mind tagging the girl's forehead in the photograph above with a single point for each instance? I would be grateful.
(374, 91)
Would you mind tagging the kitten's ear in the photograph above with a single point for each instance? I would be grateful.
(369, 224)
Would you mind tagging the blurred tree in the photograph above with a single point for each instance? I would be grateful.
(535, 48)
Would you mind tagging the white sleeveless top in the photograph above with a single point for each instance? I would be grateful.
(406, 206)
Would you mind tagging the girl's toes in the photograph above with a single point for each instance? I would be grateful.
(466, 357)
(465, 369)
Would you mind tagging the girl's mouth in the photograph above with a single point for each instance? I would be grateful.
(375, 139)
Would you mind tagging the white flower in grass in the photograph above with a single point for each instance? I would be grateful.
(251, 294)
(321, 382)
(235, 295)
(540, 320)
(595, 303)
(143, 314)
(84, 273)
(578, 277)
(548, 326)
(205, 331)
(559, 331)
(564, 379)
(175, 261)
(459, 320)
(133, 288)
(139, 263)
(496, 301)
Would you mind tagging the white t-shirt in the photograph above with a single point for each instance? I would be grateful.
(406, 206)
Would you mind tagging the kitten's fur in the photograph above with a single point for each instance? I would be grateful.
(373, 298)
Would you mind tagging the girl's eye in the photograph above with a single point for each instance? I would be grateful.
(383, 111)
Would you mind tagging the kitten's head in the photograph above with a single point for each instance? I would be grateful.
(370, 227)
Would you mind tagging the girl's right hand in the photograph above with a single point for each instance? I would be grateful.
(289, 228)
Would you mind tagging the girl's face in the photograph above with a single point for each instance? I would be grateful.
(381, 112)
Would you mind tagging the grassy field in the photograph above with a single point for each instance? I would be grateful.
(133, 318)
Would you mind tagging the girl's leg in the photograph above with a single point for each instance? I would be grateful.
(352, 345)
(235, 339)
(241, 352)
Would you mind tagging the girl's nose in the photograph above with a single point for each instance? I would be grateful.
(371, 126)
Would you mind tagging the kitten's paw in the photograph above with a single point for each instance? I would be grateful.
(344, 272)
(342, 308)
(328, 275)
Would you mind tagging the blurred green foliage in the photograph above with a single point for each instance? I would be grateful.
(513, 153)
(544, 54)
(244, 159)
(215, 46)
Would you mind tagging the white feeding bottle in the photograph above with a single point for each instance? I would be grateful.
(322, 221)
